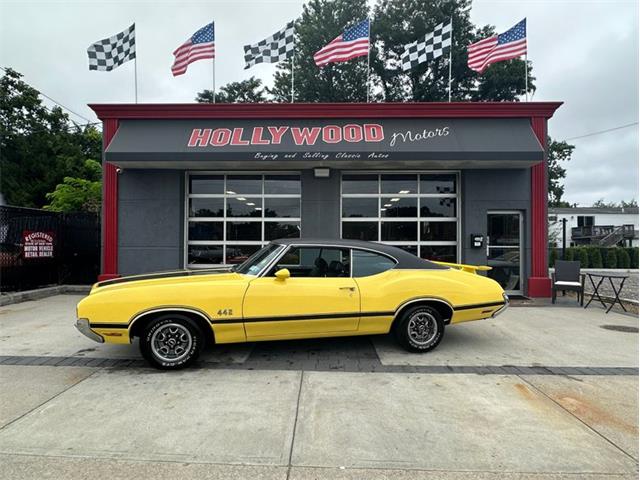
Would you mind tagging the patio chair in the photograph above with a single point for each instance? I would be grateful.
(567, 276)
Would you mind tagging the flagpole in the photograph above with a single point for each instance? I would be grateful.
(369, 62)
(526, 79)
(213, 78)
(450, 56)
(292, 76)
(213, 68)
(135, 75)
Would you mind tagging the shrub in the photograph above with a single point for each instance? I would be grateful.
(612, 258)
(553, 256)
(569, 254)
(595, 258)
(603, 253)
(583, 256)
(633, 256)
(623, 258)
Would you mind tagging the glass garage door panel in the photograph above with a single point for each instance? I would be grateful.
(206, 207)
(504, 252)
(399, 207)
(414, 211)
(358, 183)
(229, 217)
(359, 207)
(206, 184)
(360, 231)
(205, 254)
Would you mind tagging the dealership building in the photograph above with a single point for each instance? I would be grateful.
(199, 185)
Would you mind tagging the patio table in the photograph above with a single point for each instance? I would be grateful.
(597, 279)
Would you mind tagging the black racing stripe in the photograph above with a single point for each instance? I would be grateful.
(319, 316)
(109, 325)
(160, 275)
(478, 305)
(377, 314)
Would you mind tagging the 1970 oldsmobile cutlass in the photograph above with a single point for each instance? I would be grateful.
(289, 289)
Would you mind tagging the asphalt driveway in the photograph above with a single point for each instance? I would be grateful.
(539, 392)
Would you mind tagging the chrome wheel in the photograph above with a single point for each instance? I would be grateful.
(171, 342)
(422, 328)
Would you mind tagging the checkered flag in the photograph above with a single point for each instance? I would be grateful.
(432, 46)
(112, 52)
(273, 49)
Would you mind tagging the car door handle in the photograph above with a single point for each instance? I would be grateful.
(351, 289)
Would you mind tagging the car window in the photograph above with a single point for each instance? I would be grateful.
(370, 263)
(256, 262)
(315, 262)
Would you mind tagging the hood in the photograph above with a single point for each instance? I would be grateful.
(163, 275)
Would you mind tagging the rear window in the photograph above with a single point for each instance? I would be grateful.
(370, 263)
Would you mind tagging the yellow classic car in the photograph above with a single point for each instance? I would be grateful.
(290, 289)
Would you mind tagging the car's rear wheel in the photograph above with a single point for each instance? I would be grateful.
(420, 329)
(171, 342)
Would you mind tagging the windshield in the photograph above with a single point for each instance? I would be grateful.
(258, 260)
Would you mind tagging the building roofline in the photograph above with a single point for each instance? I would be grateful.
(325, 110)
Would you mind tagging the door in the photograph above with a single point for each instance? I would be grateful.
(319, 297)
(504, 249)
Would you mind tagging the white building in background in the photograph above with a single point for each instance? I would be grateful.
(605, 227)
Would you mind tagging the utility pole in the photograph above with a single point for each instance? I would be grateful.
(564, 238)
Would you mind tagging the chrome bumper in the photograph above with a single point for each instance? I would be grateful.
(82, 324)
(502, 308)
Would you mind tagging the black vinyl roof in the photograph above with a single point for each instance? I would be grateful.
(405, 259)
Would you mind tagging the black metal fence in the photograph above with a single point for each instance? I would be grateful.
(39, 248)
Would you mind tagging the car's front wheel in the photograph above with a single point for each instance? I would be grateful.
(171, 342)
(420, 329)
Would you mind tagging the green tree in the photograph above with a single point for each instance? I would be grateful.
(246, 91)
(570, 254)
(583, 256)
(633, 256)
(595, 258)
(394, 24)
(612, 258)
(559, 152)
(600, 203)
(39, 145)
(623, 259)
(78, 194)
(403, 21)
(322, 21)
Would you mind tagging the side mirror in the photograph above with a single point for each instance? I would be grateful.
(283, 274)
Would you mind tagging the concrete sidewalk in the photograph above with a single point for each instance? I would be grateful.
(243, 418)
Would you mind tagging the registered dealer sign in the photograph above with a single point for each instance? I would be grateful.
(37, 244)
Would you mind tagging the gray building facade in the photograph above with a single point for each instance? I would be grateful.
(193, 186)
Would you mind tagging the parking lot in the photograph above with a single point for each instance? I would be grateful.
(539, 392)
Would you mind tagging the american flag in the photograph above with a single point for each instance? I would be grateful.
(507, 45)
(200, 46)
(352, 43)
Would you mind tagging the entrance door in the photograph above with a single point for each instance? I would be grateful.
(504, 249)
(319, 297)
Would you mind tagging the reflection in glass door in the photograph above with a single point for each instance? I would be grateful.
(504, 249)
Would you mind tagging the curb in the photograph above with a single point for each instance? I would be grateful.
(27, 295)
